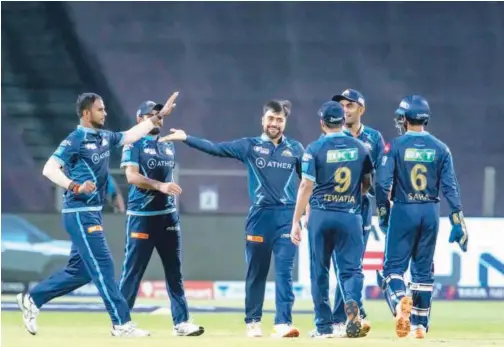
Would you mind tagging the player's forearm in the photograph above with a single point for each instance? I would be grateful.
(142, 182)
(52, 170)
(137, 132)
(366, 184)
(303, 197)
(208, 147)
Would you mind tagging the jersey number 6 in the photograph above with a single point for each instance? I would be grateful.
(418, 178)
(343, 178)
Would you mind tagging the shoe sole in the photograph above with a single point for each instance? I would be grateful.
(365, 330)
(353, 327)
(198, 332)
(419, 334)
(403, 324)
(292, 333)
(19, 300)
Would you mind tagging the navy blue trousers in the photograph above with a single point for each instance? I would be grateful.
(268, 231)
(143, 234)
(340, 233)
(90, 260)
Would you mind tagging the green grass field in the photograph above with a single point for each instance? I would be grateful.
(453, 324)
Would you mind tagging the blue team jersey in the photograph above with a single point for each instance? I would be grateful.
(337, 163)
(155, 160)
(273, 170)
(84, 156)
(414, 168)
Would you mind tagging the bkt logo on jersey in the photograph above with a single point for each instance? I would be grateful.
(153, 163)
(420, 155)
(97, 157)
(342, 155)
(262, 163)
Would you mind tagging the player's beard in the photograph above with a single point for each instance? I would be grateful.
(97, 125)
(155, 131)
(273, 136)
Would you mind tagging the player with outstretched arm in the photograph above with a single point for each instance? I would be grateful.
(337, 171)
(274, 167)
(84, 157)
(413, 170)
(152, 220)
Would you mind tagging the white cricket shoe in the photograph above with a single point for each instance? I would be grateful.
(188, 329)
(254, 329)
(339, 330)
(30, 312)
(284, 330)
(314, 334)
(128, 330)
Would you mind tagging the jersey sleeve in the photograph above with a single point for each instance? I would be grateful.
(130, 156)
(449, 183)
(299, 162)
(68, 150)
(236, 149)
(385, 174)
(379, 149)
(116, 138)
(308, 164)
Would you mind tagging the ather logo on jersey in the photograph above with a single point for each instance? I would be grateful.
(420, 155)
(97, 157)
(342, 155)
(153, 163)
(262, 163)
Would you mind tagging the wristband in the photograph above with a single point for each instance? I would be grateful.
(74, 187)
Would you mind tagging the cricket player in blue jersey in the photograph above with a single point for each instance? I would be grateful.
(337, 171)
(84, 157)
(152, 219)
(413, 170)
(353, 104)
(274, 167)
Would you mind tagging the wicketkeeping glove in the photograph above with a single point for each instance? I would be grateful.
(383, 216)
(459, 231)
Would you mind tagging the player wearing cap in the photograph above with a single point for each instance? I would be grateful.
(84, 158)
(412, 171)
(354, 105)
(152, 219)
(274, 165)
(336, 172)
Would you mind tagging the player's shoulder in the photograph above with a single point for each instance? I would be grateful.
(315, 145)
(372, 132)
(76, 136)
(294, 144)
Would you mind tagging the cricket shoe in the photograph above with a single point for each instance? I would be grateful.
(30, 312)
(339, 330)
(365, 327)
(419, 332)
(314, 334)
(353, 325)
(402, 318)
(285, 330)
(128, 330)
(254, 329)
(188, 329)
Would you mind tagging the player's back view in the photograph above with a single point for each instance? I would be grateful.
(335, 167)
(416, 166)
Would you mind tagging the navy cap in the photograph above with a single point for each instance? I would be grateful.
(331, 112)
(147, 107)
(351, 95)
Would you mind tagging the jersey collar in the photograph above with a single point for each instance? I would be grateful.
(359, 132)
(335, 134)
(416, 133)
(87, 130)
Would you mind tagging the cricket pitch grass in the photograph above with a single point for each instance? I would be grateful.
(474, 324)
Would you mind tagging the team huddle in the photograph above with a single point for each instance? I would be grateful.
(326, 188)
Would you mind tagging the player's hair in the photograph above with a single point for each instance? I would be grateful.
(333, 126)
(278, 106)
(85, 101)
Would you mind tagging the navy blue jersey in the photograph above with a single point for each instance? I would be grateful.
(84, 156)
(414, 168)
(273, 171)
(155, 160)
(337, 163)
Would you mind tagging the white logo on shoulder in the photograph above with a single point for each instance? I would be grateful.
(169, 151)
(65, 143)
(105, 142)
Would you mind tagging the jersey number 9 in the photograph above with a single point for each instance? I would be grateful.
(418, 178)
(343, 178)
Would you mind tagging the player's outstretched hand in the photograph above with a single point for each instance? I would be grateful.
(170, 188)
(459, 230)
(295, 234)
(87, 187)
(169, 106)
(176, 135)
